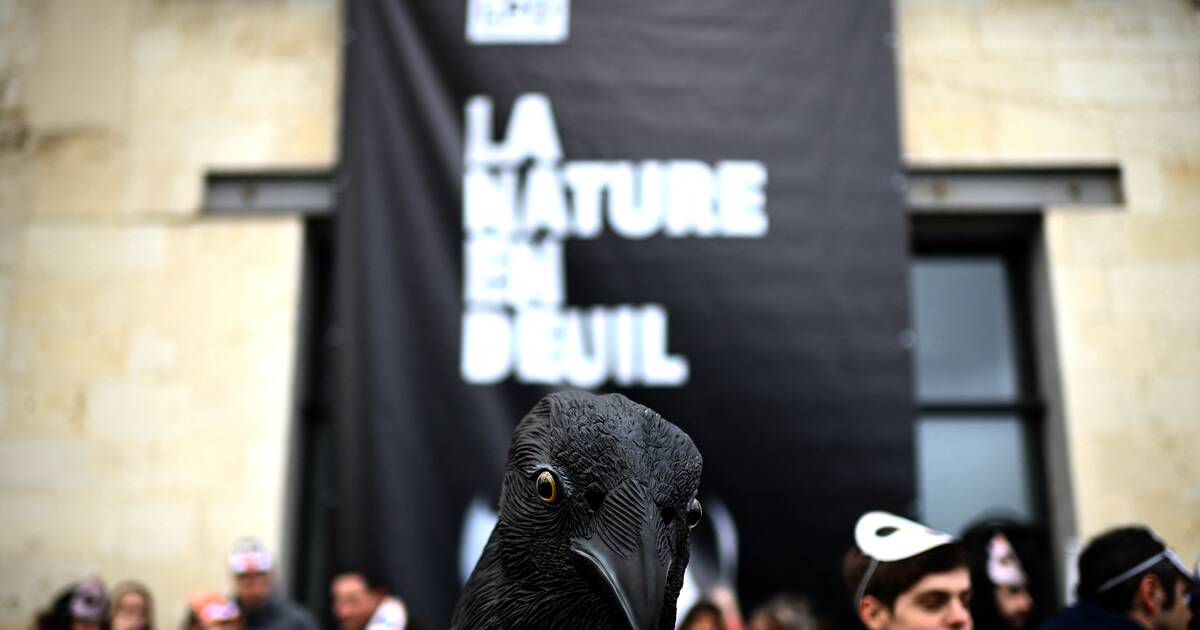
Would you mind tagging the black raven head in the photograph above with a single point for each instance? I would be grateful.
(599, 494)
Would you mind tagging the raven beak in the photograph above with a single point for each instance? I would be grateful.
(633, 580)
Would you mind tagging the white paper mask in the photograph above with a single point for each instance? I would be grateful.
(1003, 567)
(887, 537)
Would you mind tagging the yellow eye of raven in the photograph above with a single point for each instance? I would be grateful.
(547, 487)
(694, 513)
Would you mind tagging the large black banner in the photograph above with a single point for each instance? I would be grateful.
(692, 203)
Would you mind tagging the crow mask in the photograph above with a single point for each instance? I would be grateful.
(599, 494)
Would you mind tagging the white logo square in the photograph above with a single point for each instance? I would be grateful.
(518, 21)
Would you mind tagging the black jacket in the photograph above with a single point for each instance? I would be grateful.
(278, 614)
(1088, 617)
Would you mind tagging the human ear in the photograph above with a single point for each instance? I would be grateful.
(873, 614)
(1150, 595)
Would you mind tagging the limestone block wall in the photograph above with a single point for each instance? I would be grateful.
(146, 350)
(1063, 82)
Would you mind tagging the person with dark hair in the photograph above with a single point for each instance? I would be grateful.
(132, 607)
(261, 608)
(906, 576)
(80, 606)
(705, 615)
(1128, 579)
(1194, 600)
(1002, 598)
(362, 601)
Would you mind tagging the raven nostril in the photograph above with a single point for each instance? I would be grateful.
(595, 498)
(668, 514)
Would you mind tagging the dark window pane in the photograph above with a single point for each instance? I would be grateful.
(964, 330)
(969, 466)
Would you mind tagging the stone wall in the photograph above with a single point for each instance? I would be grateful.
(1062, 82)
(146, 350)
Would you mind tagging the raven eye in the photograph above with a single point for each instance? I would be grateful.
(547, 487)
(694, 513)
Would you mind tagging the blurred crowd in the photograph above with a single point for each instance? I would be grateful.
(899, 575)
(902, 575)
(359, 602)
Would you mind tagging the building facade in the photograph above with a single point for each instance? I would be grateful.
(150, 350)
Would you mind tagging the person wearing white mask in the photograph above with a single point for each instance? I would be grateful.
(1129, 580)
(906, 576)
(1003, 596)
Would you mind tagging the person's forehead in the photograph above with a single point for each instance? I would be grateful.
(252, 575)
(350, 583)
(954, 580)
